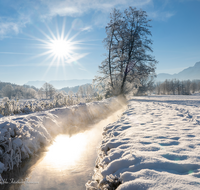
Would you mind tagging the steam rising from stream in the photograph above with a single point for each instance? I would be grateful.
(70, 158)
(24, 135)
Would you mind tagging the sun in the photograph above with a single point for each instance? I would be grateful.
(60, 48)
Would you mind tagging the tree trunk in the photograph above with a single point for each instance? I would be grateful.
(109, 62)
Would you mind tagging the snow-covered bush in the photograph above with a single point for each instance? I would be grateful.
(59, 99)
(6, 107)
(9, 107)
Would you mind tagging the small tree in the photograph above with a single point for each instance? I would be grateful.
(193, 86)
(198, 86)
(46, 90)
(81, 91)
(52, 90)
(89, 91)
(49, 90)
(70, 93)
(41, 93)
(8, 91)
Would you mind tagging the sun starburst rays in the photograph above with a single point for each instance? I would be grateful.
(59, 47)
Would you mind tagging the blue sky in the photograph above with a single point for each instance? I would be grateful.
(25, 26)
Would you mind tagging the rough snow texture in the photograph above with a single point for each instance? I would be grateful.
(155, 145)
(22, 136)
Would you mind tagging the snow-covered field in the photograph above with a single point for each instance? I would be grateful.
(154, 145)
(22, 136)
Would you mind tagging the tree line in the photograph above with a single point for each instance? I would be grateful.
(177, 87)
(46, 98)
(47, 91)
(17, 91)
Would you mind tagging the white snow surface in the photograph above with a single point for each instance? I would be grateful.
(22, 136)
(154, 145)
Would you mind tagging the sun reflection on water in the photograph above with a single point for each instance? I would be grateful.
(65, 151)
(68, 163)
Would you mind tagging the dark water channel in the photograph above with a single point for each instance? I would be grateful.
(67, 164)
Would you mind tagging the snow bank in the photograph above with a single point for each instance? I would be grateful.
(22, 136)
(154, 145)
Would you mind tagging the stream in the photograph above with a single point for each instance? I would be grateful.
(67, 164)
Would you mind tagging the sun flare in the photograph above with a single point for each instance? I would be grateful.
(60, 48)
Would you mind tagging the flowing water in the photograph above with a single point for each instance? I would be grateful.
(67, 164)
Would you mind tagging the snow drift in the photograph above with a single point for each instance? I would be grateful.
(154, 145)
(22, 136)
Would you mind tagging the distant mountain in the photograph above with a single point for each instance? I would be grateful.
(37, 84)
(191, 73)
(73, 89)
(58, 84)
(69, 83)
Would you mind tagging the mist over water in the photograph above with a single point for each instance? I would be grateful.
(69, 161)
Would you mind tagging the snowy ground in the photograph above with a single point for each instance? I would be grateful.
(22, 136)
(154, 145)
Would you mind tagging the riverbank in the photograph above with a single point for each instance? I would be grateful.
(154, 145)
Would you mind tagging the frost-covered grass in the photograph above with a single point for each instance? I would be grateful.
(26, 106)
(23, 135)
(154, 145)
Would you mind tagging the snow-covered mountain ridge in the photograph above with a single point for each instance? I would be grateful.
(191, 73)
(58, 84)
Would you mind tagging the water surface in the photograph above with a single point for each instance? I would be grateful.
(67, 164)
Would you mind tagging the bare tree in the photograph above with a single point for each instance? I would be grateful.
(193, 86)
(46, 90)
(41, 93)
(81, 91)
(158, 90)
(49, 90)
(8, 91)
(187, 87)
(52, 90)
(19, 92)
(31, 93)
(89, 90)
(70, 93)
(198, 86)
(127, 42)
